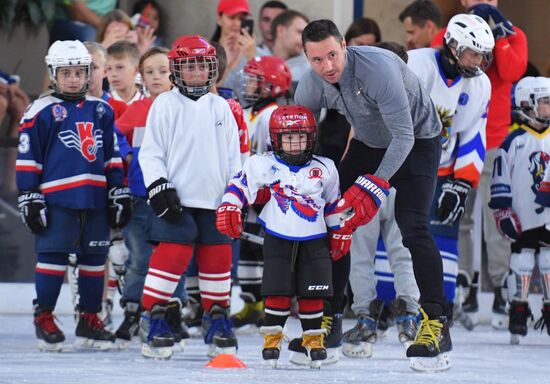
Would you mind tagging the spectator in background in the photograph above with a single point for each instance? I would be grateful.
(239, 45)
(287, 31)
(79, 19)
(509, 64)
(13, 102)
(363, 31)
(117, 26)
(269, 11)
(122, 68)
(421, 20)
(150, 10)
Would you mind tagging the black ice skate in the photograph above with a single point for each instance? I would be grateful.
(157, 341)
(431, 348)
(517, 325)
(50, 337)
(91, 333)
(175, 322)
(192, 313)
(313, 342)
(544, 321)
(359, 340)
(129, 326)
(406, 322)
(252, 313)
(273, 337)
(218, 332)
(470, 304)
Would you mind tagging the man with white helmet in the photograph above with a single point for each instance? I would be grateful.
(455, 79)
(70, 178)
(520, 199)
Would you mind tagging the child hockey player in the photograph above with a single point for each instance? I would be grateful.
(266, 79)
(189, 153)
(154, 68)
(70, 178)
(518, 172)
(304, 192)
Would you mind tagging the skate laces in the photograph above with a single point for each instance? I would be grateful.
(313, 341)
(47, 322)
(544, 320)
(429, 331)
(220, 325)
(273, 340)
(326, 323)
(93, 320)
(157, 327)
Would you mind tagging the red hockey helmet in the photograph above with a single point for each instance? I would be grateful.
(193, 64)
(293, 130)
(271, 75)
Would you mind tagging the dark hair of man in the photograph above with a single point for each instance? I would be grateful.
(222, 58)
(286, 18)
(273, 4)
(421, 11)
(363, 26)
(396, 48)
(320, 30)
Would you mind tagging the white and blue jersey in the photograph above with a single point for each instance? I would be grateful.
(68, 151)
(302, 197)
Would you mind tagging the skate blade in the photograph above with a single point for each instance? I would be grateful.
(95, 345)
(271, 363)
(160, 353)
(316, 364)
(439, 363)
(474, 316)
(333, 356)
(298, 358)
(499, 322)
(50, 347)
(179, 347)
(214, 350)
(406, 344)
(515, 339)
(363, 350)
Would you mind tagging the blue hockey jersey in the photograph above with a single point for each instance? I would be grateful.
(68, 150)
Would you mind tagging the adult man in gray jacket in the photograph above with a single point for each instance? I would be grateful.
(396, 141)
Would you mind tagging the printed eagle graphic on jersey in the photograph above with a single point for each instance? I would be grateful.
(284, 201)
(538, 162)
(84, 139)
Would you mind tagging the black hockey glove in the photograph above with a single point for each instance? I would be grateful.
(32, 209)
(500, 26)
(450, 206)
(120, 207)
(164, 200)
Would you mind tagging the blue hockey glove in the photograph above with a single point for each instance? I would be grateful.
(500, 26)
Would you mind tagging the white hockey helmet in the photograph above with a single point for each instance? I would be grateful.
(529, 92)
(68, 53)
(468, 31)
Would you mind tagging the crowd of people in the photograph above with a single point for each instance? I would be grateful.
(318, 170)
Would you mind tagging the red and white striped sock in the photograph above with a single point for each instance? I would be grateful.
(214, 262)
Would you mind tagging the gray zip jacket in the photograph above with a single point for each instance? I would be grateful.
(381, 98)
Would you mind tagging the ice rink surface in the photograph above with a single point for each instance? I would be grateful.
(481, 356)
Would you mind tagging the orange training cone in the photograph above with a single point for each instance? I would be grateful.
(225, 360)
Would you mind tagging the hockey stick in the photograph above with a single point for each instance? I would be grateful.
(252, 238)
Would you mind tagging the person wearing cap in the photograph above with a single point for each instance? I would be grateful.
(239, 44)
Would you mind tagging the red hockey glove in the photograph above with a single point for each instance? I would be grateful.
(507, 223)
(339, 244)
(362, 200)
(229, 220)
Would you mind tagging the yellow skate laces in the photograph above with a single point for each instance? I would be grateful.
(326, 323)
(273, 341)
(314, 341)
(429, 331)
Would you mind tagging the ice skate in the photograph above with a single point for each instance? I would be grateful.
(251, 313)
(298, 354)
(50, 337)
(175, 322)
(157, 342)
(333, 339)
(470, 305)
(406, 322)
(430, 351)
(517, 325)
(129, 326)
(544, 321)
(359, 340)
(386, 320)
(91, 333)
(192, 313)
(313, 342)
(500, 314)
(106, 314)
(218, 332)
(271, 350)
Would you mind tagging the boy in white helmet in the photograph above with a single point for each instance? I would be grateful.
(520, 198)
(70, 181)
